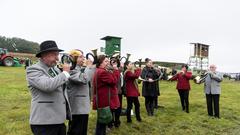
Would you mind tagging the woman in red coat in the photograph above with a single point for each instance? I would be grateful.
(183, 86)
(132, 91)
(105, 80)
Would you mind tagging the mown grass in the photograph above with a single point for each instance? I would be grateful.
(168, 120)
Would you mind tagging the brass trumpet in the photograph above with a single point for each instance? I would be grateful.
(94, 56)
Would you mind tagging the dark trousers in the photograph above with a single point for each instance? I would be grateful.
(120, 96)
(130, 102)
(78, 125)
(155, 102)
(100, 129)
(149, 105)
(55, 129)
(213, 99)
(184, 94)
(115, 118)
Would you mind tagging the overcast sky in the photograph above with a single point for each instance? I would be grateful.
(158, 29)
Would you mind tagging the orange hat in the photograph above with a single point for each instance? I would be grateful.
(75, 52)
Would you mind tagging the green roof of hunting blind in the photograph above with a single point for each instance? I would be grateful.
(109, 37)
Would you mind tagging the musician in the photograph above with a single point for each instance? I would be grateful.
(132, 93)
(183, 86)
(104, 80)
(149, 87)
(49, 104)
(78, 93)
(117, 112)
(213, 90)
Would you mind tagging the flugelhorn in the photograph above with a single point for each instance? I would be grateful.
(93, 54)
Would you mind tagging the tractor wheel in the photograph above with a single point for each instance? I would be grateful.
(8, 61)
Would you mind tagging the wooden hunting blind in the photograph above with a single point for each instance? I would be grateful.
(200, 59)
(112, 45)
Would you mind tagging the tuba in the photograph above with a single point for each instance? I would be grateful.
(93, 55)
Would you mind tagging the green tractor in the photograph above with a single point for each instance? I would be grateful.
(5, 58)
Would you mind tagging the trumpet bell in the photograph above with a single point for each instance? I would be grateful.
(128, 55)
(197, 79)
(68, 60)
(169, 77)
(93, 55)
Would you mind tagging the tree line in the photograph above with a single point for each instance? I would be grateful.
(18, 45)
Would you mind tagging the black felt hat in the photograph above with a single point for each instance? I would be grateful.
(47, 46)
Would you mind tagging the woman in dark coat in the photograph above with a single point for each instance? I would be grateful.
(132, 92)
(149, 86)
(105, 80)
(183, 86)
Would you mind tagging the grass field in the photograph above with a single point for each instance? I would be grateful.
(169, 120)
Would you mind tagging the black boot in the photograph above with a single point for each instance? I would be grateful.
(183, 108)
(117, 121)
(187, 109)
(137, 111)
(129, 120)
(152, 109)
(148, 109)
